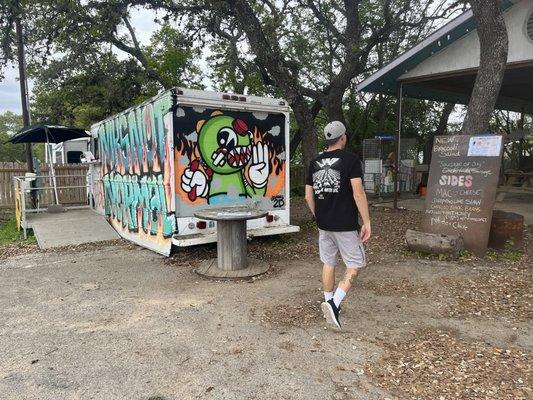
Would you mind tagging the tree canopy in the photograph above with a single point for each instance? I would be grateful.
(87, 61)
(10, 123)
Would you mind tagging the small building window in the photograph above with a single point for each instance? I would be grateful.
(74, 157)
(529, 26)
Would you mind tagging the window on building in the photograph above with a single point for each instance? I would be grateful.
(73, 157)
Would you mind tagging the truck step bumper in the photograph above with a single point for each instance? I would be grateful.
(211, 237)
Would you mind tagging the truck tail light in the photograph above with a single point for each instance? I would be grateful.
(201, 224)
(269, 218)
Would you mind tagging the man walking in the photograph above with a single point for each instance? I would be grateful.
(335, 194)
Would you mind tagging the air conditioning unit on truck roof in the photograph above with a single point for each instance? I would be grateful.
(186, 150)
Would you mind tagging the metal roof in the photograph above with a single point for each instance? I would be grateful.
(387, 79)
(384, 81)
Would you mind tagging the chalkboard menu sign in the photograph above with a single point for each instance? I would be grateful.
(461, 191)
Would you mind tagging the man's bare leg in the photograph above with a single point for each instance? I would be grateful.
(348, 279)
(344, 285)
(328, 281)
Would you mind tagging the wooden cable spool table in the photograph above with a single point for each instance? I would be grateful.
(232, 256)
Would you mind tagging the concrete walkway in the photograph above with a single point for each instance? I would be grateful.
(72, 227)
(518, 203)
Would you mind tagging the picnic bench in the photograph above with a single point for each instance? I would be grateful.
(516, 182)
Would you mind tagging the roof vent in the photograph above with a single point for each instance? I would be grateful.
(529, 26)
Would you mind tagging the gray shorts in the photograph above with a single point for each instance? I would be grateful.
(347, 243)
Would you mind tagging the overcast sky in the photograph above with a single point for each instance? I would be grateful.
(142, 20)
(10, 92)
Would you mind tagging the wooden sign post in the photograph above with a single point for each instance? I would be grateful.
(463, 179)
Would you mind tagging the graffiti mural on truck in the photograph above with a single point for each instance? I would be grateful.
(137, 173)
(229, 156)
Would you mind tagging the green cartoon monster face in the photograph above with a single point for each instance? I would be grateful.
(225, 143)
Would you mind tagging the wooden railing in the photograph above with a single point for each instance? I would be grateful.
(71, 177)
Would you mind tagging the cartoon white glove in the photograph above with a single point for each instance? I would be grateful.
(194, 182)
(259, 169)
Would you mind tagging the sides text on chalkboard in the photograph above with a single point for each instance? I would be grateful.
(462, 186)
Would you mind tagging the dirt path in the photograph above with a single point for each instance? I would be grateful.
(115, 322)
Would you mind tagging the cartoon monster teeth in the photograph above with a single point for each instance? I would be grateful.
(239, 156)
(219, 160)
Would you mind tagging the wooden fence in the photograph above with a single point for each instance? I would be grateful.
(68, 175)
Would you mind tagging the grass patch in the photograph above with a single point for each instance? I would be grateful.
(9, 234)
(509, 254)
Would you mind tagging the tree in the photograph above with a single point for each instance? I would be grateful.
(515, 127)
(231, 70)
(494, 45)
(310, 51)
(442, 128)
(10, 123)
(87, 94)
(79, 79)
(171, 55)
(81, 29)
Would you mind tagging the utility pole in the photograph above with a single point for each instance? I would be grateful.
(24, 99)
(23, 88)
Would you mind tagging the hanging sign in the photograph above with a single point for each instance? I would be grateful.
(461, 191)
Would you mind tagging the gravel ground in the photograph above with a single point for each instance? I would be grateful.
(436, 364)
(112, 321)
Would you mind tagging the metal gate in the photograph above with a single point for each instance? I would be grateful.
(379, 159)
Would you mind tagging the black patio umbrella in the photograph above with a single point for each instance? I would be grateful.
(44, 133)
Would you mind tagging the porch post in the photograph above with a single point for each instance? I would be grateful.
(398, 139)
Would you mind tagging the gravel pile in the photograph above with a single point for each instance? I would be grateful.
(436, 365)
(17, 249)
(505, 293)
(12, 250)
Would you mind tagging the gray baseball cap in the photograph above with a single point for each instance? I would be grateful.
(334, 130)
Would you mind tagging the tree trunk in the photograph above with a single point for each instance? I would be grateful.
(382, 113)
(270, 56)
(333, 107)
(441, 130)
(307, 128)
(297, 138)
(493, 42)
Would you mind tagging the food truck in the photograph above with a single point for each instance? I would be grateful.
(185, 150)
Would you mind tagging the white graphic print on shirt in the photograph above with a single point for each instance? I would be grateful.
(327, 179)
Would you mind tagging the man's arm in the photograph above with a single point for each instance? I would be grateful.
(310, 198)
(359, 196)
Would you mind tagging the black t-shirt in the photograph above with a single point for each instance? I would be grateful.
(330, 174)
